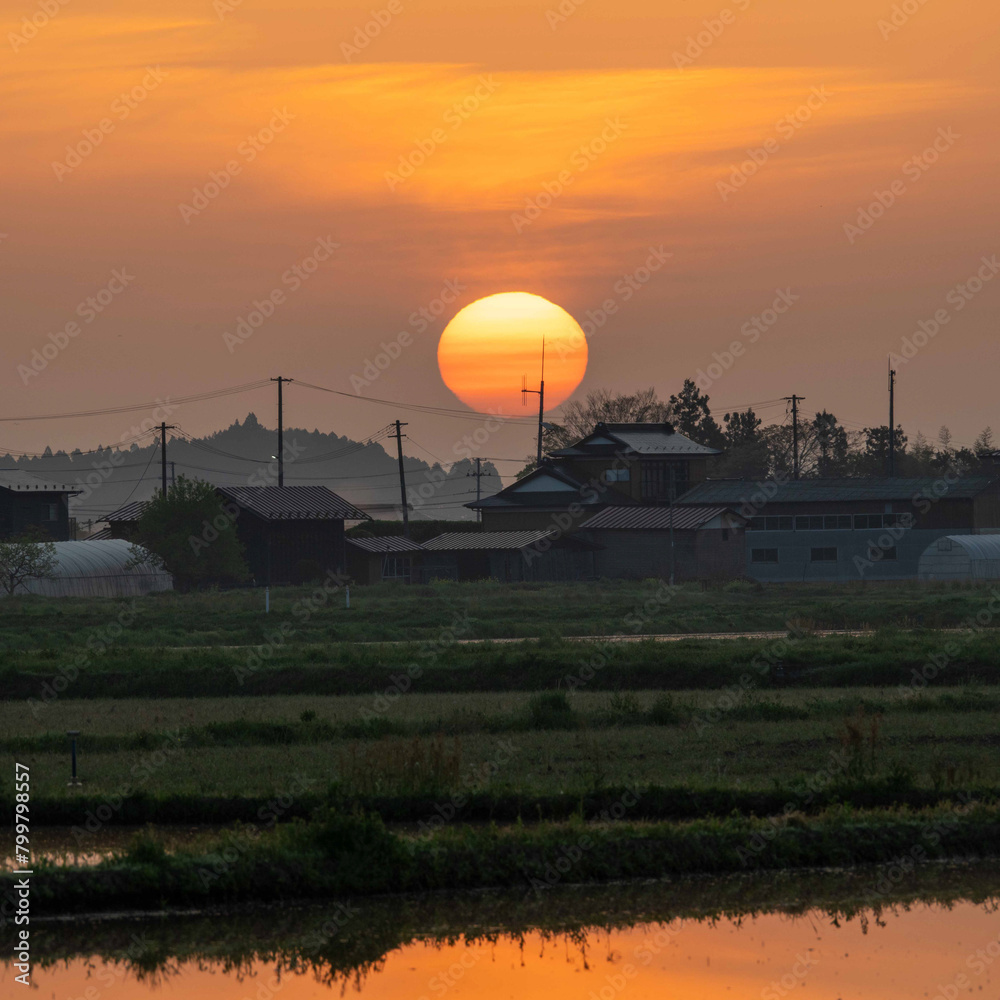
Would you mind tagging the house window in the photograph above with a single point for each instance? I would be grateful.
(52, 510)
(764, 555)
(889, 553)
(396, 568)
(823, 555)
(617, 475)
(656, 479)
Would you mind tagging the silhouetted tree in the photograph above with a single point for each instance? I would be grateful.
(691, 416)
(193, 535)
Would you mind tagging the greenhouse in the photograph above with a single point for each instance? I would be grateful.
(103, 568)
(961, 557)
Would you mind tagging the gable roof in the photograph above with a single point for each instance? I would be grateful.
(655, 518)
(550, 487)
(130, 512)
(652, 440)
(271, 503)
(293, 503)
(19, 481)
(385, 543)
(466, 540)
(741, 491)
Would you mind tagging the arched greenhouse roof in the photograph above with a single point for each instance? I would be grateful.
(103, 568)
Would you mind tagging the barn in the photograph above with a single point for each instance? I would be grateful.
(291, 534)
(30, 501)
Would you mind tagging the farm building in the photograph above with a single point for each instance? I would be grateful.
(961, 557)
(102, 568)
(849, 529)
(27, 501)
(508, 556)
(383, 558)
(617, 465)
(707, 544)
(291, 534)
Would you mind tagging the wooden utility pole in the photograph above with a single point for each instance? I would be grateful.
(402, 479)
(281, 431)
(479, 483)
(892, 433)
(795, 400)
(164, 427)
(541, 402)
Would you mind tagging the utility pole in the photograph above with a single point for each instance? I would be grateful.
(541, 401)
(795, 400)
(281, 432)
(402, 479)
(479, 484)
(892, 433)
(673, 558)
(164, 427)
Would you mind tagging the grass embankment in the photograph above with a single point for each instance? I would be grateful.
(886, 658)
(338, 854)
(341, 943)
(481, 611)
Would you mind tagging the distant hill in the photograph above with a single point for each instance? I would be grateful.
(366, 473)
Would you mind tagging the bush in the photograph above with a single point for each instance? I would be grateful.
(551, 710)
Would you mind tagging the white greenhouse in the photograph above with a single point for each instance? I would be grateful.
(99, 569)
(961, 557)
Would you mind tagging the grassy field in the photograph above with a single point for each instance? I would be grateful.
(198, 709)
(480, 610)
(513, 741)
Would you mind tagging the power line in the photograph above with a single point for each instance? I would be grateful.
(174, 401)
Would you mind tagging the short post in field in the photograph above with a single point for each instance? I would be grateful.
(74, 781)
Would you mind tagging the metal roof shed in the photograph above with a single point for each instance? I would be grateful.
(961, 557)
(99, 569)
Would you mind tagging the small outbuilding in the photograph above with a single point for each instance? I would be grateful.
(508, 556)
(961, 557)
(692, 543)
(103, 568)
(383, 558)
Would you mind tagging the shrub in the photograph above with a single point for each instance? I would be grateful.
(551, 710)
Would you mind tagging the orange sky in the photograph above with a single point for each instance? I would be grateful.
(916, 954)
(469, 149)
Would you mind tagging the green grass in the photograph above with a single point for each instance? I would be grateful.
(483, 610)
(337, 853)
(887, 657)
(540, 744)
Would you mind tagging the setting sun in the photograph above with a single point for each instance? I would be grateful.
(491, 344)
